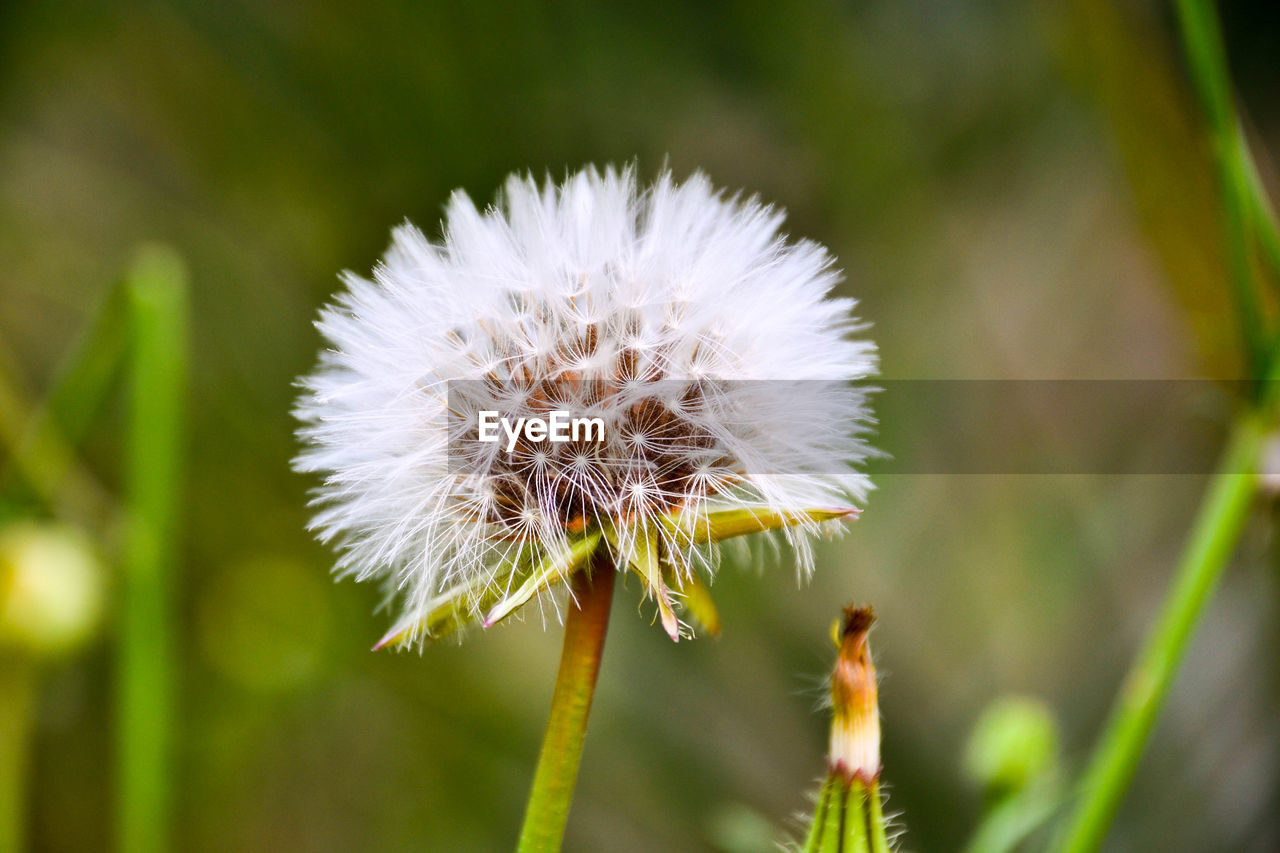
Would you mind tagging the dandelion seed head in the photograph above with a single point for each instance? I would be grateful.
(680, 318)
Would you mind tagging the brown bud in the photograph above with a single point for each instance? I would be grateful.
(855, 725)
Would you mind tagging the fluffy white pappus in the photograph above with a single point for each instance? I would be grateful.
(707, 343)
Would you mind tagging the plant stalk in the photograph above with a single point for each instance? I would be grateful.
(1246, 214)
(1217, 527)
(17, 704)
(145, 639)
(1207, 65)
(557, 773)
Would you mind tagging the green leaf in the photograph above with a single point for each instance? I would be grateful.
(1009, 822)
(44, 466)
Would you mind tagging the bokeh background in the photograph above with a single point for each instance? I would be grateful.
(1015, 190)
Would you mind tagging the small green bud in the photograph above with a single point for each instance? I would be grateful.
(51, 589)
(1014, 742)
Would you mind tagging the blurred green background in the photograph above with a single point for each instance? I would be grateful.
(1014, 190)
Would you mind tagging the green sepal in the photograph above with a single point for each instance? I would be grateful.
(463, 603)
(644, 558)
(553, 569)
(847, 818)
(879, 838)
(704, 528)
(695, 598)
(446, 613)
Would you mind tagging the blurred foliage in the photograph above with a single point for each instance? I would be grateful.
(52, 590)
(1014, 742)
(1014, 190)
(1013, 757)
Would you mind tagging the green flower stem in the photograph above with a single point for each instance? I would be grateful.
(156, 293)
(553, 783)
(17, 702)
(1207, 62)
(46, 452)
(1246, 214)
(1264, 217)
(1217, 527)
(41, 462)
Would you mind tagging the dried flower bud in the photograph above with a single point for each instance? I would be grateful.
(50, 589)
(855, 724)
(849, 816)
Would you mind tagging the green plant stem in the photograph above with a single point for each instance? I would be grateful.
(156, 291)
(1246, 213)
(17, 704)
(1217, 527)
(1264, 216)
(41, 461)
(45, 452)
(1207, 63)
(584, 634)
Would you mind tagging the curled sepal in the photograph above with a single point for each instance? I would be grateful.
(553, 569)
(695, 528)
(641, 547)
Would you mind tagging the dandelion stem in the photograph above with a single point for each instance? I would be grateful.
(553, 783)
(17, 699)
(1220, 521)
(157, 307)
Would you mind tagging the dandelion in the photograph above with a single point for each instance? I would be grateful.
(681, 318)
(584, 379)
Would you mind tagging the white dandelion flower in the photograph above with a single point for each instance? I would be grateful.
(699, 349)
